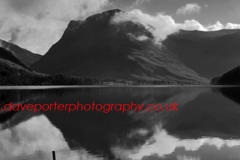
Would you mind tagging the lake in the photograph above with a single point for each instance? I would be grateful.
(205, 124)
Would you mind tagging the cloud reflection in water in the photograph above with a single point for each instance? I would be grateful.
(36, 139)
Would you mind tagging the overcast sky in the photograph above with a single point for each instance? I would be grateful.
(37, 24)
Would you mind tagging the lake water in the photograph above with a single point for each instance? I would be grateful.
(205, 127)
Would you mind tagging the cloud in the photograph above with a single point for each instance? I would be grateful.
(218, 26)
(189, 9)
(38, 24)
(215, 27)
(161, 25)
(14, 36)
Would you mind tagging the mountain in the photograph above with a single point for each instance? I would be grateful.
(8, 57)
(23, 55)
(230, 78)
(98, 48)
(208, 53)
(15, 72)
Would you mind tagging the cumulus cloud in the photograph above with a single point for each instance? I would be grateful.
(161, 25)
(218, 26)
(189, 9)
(38, 24)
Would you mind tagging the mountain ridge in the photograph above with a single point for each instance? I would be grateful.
(208, 53)
(98, 48)
(22, 54)
(8, 56)
(231, 77)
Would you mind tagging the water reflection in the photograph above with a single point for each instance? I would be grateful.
(25, 97)
(35, 139)
(167, 147)
(207, 120)
(231, 93)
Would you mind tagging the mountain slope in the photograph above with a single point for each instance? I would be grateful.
(15, 72)
(23, 55)
(7, 57)
(232, 77)
(208, 53)
(98, 48)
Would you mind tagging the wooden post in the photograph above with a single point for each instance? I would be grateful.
(54, 155)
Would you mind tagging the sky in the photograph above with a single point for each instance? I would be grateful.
(37, 24)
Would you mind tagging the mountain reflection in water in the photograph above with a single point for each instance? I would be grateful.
(206, 125)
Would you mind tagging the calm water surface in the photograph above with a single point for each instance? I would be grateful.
(205, 127)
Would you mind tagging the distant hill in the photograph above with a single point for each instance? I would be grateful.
(23, 55)
(208, 53)
(97, 48)
(15, 72)
(230, 78)
(7, 57)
